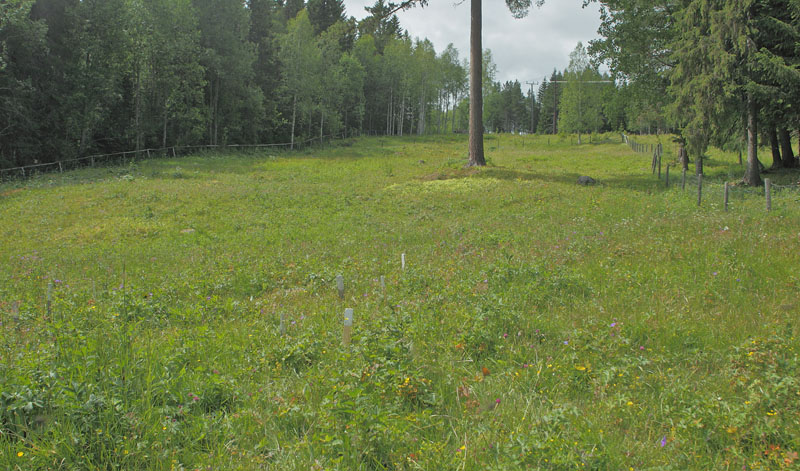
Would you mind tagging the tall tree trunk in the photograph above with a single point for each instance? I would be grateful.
(164, 133)
(216, 113)
(786, 147)
(683, 156)
(321, 122)
(476, 156)
(138, 112)
(421, 127)
(773, 144)
(294, 119)
(389, 113)
(752, 174)
(402, 114)
(455, 106)
(698, 165)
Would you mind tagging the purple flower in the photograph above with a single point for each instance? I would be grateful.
(497, 401)
(714, 273)
(505, 336)
(663, 441)
(566, 342)
(613, 324)
(641, 347)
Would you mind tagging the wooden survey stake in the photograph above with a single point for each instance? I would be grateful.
(348, 326)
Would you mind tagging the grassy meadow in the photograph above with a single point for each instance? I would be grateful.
(538, 324)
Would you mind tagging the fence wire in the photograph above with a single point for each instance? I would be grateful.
(126, 157)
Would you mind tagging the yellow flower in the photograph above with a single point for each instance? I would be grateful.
(630, 403)
(20, 454)
(580, 368)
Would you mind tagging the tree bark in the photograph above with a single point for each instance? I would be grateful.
(455, 106)
(773, 144)
(786, 147)
(476, 157)
(164, 133)
(402, 114)
(684, 156)
(294, 120)
(752, 174)
(421, 127)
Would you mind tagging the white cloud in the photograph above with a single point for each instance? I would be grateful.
(525, 49)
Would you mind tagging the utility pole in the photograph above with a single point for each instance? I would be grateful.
(555, 104)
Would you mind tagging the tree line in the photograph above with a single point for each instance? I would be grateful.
(717, 72)
(97, 76)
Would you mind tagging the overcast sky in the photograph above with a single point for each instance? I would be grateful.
(526, 49)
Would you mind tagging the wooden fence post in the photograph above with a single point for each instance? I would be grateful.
(699, 189)
(683, 180)
(659, 165)
(768, 193)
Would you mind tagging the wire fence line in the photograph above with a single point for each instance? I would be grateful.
(704, 188)
(131, 156)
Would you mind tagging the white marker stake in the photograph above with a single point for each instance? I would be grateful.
(282, 327)
(340, 285)
(383, 283)
(403, 261)
(348, 326)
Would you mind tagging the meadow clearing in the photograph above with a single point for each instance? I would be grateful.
(538, 324)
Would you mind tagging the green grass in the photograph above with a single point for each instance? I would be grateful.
(538, 324)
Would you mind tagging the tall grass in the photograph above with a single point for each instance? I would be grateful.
(538, 324)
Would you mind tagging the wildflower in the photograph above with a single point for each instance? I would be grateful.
(566, 342)
(714, 274)
(641, 347)
(497, 401)
(663, 441)
(613, 324)
(20, 454)
(630, 403)
(505, 336)
(580, 368)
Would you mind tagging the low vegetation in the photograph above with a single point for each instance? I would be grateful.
(538, 324)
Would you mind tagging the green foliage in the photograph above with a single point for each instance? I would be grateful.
(82, 78)
(581, 101)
